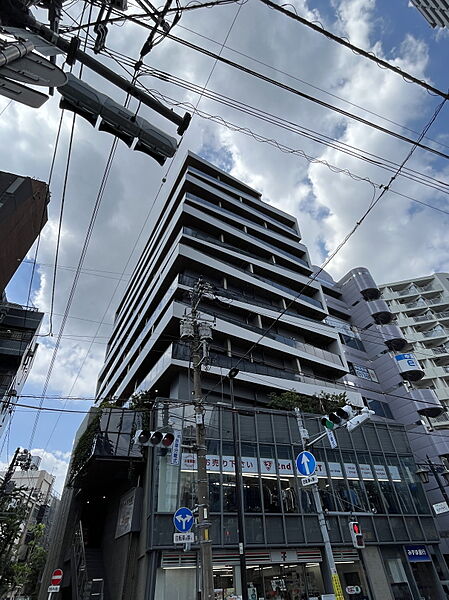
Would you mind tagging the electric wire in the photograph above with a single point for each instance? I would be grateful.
(299, 93)
(356, 50)
(372, 205)
(386, 164)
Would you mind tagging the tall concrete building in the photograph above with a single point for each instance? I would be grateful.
(435, 12)
(23, 213)
(286, 329)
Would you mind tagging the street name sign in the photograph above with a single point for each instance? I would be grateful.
(306, 463)
(440, 508)
(184, 538)
(309, 480)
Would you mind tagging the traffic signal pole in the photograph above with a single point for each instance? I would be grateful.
(333, 581)
(73, 51)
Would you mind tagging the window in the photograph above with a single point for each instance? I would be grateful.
(352, 342)
(380, 408)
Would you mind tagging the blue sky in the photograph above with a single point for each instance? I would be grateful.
(410, 240)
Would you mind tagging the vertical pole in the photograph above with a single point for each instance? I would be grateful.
(202, 482)
(438, 480)
(330, 563)
(10, 472)
(239, 493)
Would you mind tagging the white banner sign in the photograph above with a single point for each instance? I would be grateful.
(284, 467)
(351, 471)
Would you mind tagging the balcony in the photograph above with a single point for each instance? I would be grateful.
(393, 337)
(427, 402)
(415, 305)
(422, 318)
(380, 311)
(444, 299)
(435, 333)
(441, 350)
(103, 452)
(366, 284)
(411, 291)
(441, 421)
(320, 353)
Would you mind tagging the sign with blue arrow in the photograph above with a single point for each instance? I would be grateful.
(306, 463)
(183, 519)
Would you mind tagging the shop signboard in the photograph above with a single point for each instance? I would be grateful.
(417, 553)
(284, 467)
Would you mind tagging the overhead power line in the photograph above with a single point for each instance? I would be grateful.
(369, 55)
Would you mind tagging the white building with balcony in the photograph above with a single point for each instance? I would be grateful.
(421, 307)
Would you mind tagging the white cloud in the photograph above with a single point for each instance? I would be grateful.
(394, 242)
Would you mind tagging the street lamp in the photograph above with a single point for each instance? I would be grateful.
(238, 485)
(423, 474)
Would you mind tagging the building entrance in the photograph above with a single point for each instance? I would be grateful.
(275, 582)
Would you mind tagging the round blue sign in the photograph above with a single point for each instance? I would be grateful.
(306, 463)
(183, 519)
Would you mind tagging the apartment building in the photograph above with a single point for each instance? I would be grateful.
(289, 328)
(435, 12)
(421, 310)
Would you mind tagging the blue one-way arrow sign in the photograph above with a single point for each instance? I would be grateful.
(183, 519)
(306, 463)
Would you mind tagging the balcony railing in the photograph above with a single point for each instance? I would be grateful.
(435, 333)
(303, 346)
(420, 318)
(441, 350)
(408, 291)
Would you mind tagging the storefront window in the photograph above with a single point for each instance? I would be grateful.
(357, 496)
(214, 492)
(229, 494)
(288, 496)
(374, 497)
(271, 494)
(251, 494)
(307, 503)
(187, 491)
(414, 486)
(387, 491)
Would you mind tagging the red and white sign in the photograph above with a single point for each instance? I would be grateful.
(56, 577)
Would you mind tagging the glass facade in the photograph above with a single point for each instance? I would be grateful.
(378, 485)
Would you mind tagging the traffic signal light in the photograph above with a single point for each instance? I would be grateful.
(339, 417)
(87, 102)
(154, 438)
(365, 415)
(356, 535)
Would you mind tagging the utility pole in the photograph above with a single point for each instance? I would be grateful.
(21, 458)
(199, 331)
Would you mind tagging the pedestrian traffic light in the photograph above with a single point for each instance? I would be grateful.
(356, 535)
(89, 103)
(154, 438)
(339, 417)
